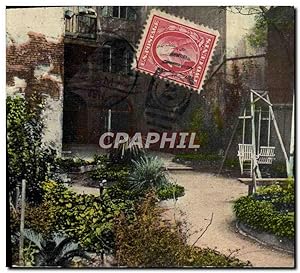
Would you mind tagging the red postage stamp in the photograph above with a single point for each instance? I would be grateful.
(176, 49)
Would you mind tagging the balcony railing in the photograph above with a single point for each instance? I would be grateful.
(83, 26)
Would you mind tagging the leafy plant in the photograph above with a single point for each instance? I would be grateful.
(258, 36)
(28, 157)
(126, 152)
(270, 209)
(57, 250)
(150, 241)
(100, 159)
(111, 172)
(122, 191)
(198, 126)
(170, 191)
(85, 218)
(281, 196)
(148, 172)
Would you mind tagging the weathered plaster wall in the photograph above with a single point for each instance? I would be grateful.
(35, 59)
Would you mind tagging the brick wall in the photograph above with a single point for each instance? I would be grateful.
(35, 60)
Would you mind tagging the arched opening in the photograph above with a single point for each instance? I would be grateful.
(74, 119)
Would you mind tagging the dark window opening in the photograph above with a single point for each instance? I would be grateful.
(107, 58)
(116, 12)
(123, 12)
(117, 58)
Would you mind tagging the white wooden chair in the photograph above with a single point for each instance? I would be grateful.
(266, 155)
(245, 154)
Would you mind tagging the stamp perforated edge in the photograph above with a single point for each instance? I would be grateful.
(183, 21)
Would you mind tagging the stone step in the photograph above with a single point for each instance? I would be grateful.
(177, 167)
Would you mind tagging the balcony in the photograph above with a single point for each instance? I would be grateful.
(83, 26)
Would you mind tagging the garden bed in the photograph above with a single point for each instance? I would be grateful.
(268, 215)
(286, 244)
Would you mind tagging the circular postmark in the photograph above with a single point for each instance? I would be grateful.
(175, 52)
(167, 95)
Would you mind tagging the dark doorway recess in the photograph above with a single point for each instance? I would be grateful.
(75, 119)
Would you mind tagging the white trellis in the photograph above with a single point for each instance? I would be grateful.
(253, 154)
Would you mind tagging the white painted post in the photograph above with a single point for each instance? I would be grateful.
(21, 243)
(258, 132)
(269, 128)
(280, 139)
(292, 143)
(255, 165)
(244, 125)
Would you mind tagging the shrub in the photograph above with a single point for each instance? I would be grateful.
(121, 191)
(264, 213)
(100, 159)
(37, 218)
(84, 217)
(125, 152)
(151, 242)
(197, 124)
(28, 158)
(278, 194)
(170, 191)
(112, 173)
(147, 173)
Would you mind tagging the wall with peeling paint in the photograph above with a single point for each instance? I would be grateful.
(35, 59)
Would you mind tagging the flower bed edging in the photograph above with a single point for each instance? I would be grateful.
(285, 244)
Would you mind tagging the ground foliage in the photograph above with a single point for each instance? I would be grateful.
(271, 209)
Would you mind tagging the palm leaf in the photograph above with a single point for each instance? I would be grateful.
(34, 237)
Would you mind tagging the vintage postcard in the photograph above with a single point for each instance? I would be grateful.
(150, 137)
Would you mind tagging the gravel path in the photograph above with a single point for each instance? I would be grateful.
(206, 194)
